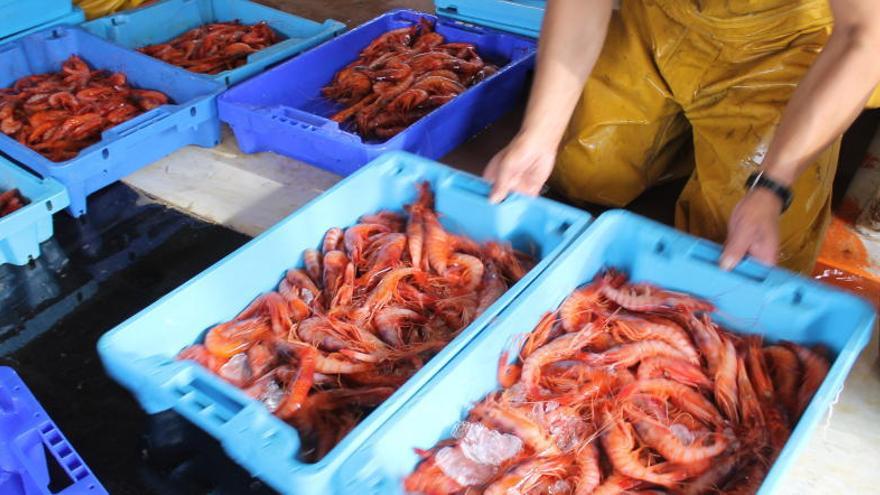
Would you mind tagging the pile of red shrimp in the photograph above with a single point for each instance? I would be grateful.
(59, 114)
(214, 47)
(367, 311)
(628, 388)
(402, 76)
(11, 201)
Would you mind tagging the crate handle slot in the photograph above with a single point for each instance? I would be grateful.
(57, 449)
(748, 268)
(471, 185)
(303, 117)
(135, 124)
(202, 399)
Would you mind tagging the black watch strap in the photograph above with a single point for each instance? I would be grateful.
(757, 179)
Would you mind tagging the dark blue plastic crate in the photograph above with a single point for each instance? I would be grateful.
(20, 15)
(140, 352)
(282, 110)
(753, 298)
(516, 16)
(22, 231)
(190, 119)
(163, 21)
(27, 434)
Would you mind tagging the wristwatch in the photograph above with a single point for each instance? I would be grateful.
(757, 179)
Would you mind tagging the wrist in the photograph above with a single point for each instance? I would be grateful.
(760, 181)
(779, 174)
(538, 139)
(768, 197)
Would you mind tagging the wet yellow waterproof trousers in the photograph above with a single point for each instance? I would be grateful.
(717, 73)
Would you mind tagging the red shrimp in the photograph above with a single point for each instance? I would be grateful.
(508, 373)
(725, 382)
(493, 287)
(785, 369)
(674, 369)
(815, 369)
(510, 419)
(312, 261)
(332, 240)
(580, 308)
(683, 396)
(622, 449)
(627, 355)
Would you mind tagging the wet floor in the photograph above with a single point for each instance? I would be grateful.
(92, 276)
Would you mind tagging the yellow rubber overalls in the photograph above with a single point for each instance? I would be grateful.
(715, 72)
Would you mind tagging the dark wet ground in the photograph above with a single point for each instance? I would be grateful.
(92, 276)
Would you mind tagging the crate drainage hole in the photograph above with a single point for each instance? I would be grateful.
(797, 297)
(192, 111)
(105, 153)
(49, 205)
(563, 227)
(660, 247)
(58, 477)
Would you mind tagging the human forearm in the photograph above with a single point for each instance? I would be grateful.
(829, 98)
(571, 40)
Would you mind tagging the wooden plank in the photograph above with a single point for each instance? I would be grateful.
(247, 193)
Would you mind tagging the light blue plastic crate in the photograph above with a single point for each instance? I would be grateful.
(140, 352)
(21, 15)
(752, 299)
(166, 20)
(72, 18)
(22, 231)
(190, 119)
(516, 16)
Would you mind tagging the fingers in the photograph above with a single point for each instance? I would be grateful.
(502, 186)
(735, 249)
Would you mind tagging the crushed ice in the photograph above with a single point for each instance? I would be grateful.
(464, 471)
(485, 445)
(272, 396)
(237, 370)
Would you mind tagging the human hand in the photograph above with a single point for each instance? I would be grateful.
(753, 229)
(523, 166)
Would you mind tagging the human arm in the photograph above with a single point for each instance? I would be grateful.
(829, 98)
(572, 36)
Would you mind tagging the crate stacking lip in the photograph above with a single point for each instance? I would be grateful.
(753, 298)
(21, 15)
(22, 231)
(190, 119)
(27, 436)
(282, 110)
(140, 352)
(163, 21)
(517, 16)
